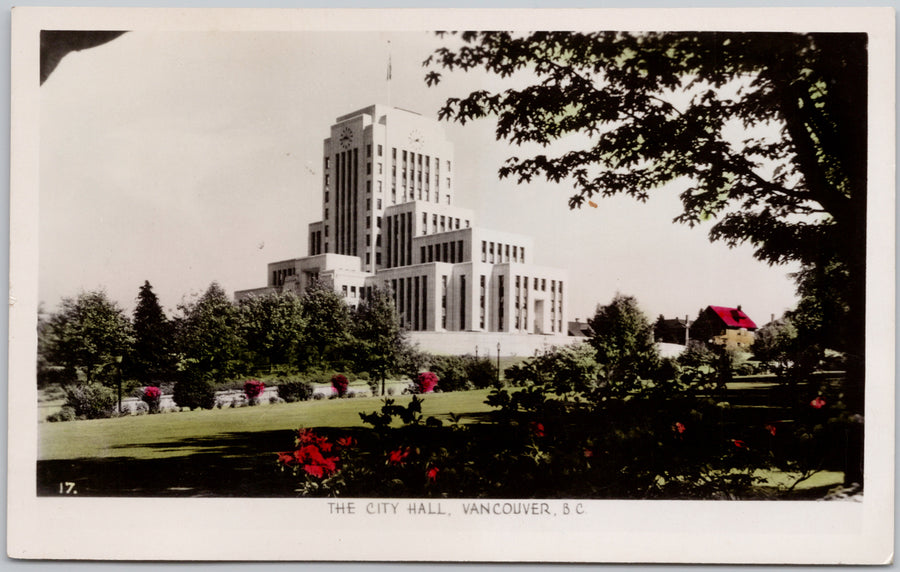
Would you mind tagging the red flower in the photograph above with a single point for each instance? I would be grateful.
(309, 437)
(739, 444)
(817, 403)
(679, 427)
(398, 457)
(314, 470)
(537, 429)
(588, 453)
(346, 442)
(287, 458)
(771, 429)
(151, 393)
(432, 473)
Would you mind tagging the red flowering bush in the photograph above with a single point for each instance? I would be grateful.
(316, 459)
(253, 389)
(693, 441)
(426, 382)
(340, 384)
(398, 456)
(151, 397)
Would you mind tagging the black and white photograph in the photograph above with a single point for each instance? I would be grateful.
(343, 276)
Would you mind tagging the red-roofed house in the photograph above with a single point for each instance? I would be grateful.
(720, 325)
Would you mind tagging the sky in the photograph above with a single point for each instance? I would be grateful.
(183, 158)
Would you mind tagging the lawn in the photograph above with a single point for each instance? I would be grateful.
(189, 432)
(220, 452)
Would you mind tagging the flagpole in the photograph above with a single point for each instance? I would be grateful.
(389, 72)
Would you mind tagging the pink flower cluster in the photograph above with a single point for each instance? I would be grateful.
(254, 388)
(339, 383)
(151, 393)
(426, 382)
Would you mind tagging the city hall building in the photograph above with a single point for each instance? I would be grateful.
(389, 220)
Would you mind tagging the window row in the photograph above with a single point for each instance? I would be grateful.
(498, 253)
(451, 251)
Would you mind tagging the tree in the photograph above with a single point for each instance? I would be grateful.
(623, 338)
(272, 327)
(379, 339)
(88, 337)
(209, 336)
(768, 129)
(152, 358)
(327, 318)
(775, 343)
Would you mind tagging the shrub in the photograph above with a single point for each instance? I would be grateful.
(292, 391)
(426, 382)
(253, 389)
(195, 392)
(339, 383)
(451, 370)
(151, 396)
(91, 401)
(481, 372)
(64, 414)
(316, 461)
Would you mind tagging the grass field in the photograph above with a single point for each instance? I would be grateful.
(190, 432)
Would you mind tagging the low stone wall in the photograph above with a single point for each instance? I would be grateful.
(236, 398)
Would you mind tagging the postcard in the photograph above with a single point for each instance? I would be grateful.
(452, 285)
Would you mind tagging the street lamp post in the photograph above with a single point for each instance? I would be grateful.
(498, 364)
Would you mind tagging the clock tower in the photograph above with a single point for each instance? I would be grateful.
(375, 158)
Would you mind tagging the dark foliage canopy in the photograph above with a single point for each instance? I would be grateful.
(768, 128)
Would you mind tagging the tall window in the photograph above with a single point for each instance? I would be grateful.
(482, 293)
(443, 301)
(501, 302)
(462, 302)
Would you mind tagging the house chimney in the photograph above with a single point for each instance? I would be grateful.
(577, 320)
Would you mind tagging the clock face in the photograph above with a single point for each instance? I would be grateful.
(416, 140)
(346, 138)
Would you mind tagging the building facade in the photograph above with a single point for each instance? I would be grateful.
(724, 326)
(389, 220)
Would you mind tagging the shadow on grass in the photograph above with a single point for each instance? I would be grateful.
(238, 464)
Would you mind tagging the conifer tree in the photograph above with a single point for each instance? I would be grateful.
(151, 361)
